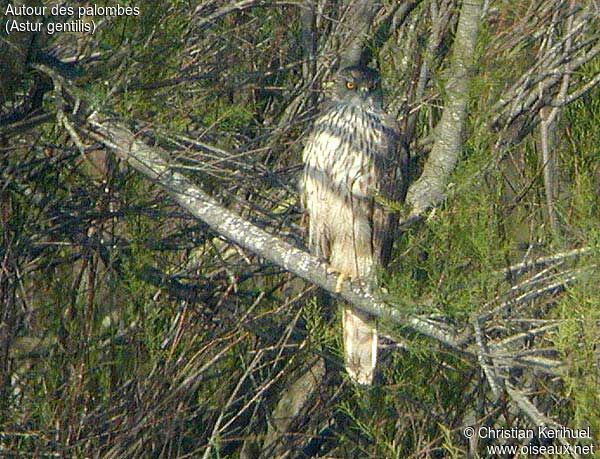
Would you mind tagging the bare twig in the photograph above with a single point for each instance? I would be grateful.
(529, 265)
(535, 416)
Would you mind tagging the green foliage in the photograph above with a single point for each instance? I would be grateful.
(578, 338)
(453, 260)
(325, 335)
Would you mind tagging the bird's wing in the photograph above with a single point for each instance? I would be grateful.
(314, 186)
(391, 181)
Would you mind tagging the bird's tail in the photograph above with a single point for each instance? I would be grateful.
(360, 345)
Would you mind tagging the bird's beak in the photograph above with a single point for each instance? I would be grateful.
(364, 91)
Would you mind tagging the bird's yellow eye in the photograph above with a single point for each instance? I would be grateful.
(350, 85)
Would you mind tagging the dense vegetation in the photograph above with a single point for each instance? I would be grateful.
(132, 329)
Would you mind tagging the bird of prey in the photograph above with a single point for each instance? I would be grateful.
(354, 162)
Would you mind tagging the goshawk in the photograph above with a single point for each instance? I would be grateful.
(354, 163)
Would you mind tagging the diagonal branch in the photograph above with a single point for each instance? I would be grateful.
(151, 163)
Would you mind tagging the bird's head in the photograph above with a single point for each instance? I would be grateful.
(359, 85)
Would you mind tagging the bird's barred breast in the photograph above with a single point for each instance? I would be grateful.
(343, 148)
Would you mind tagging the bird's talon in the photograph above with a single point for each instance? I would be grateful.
(340, 281)
(341, 278)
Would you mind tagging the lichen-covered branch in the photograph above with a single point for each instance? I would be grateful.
(226, 223)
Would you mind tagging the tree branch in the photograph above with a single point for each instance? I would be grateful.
(430, 189)
(358, 18)
(226, 223)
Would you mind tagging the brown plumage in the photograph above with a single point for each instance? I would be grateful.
(353, 156)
